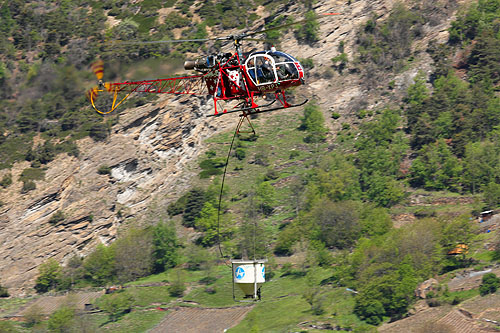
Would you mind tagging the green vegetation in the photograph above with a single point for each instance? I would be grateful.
(3, 291)
(116, 305)
(308, 31)
(387, 44)
(490, 283)
(293, 190)
(57, 217)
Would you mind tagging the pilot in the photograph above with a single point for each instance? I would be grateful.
(282, 72)
(251, 68)
(264, 70)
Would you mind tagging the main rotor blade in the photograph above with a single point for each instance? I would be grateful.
(286, 25)
(161, 41)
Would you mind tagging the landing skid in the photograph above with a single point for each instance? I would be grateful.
(257, 109)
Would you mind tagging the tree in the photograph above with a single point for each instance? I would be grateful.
(491, 195)
(313, 122)
(100, 265)
(480, 165)
(308, 32)
(195, 201)
(337, 223)
(436, 168)
(375, 221)
(265, 198)
(115, 304)
(49, 276)
(489, 284)
(207, 222)
(177, 287)
(165, 247)
(337, 178)
(133, 255)
(61, 320)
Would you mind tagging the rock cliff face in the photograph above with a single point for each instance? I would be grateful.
(147, 153)
(152, 147)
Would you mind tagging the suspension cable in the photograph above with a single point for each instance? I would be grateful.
(222, 184)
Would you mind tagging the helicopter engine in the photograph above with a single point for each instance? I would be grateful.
(201, 65)
(207, 63)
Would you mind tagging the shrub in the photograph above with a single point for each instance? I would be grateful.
(489, 284)
(313, 122)
(49, 276)
(212, 166)
(271, 174)
(33, 316)
(4, 292)
(116, 304)
(293, 154)
(31, 174)
(99, 131)
(308, 63)
(104, 170)
(7, 327)
(308, 32)
(6, 180)
(240, 153)
(28, 186)
(177, 288)
(57, 217)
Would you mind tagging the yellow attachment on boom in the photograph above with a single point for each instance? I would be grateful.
(108, 87)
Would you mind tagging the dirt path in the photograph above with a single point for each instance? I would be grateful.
(196, 320)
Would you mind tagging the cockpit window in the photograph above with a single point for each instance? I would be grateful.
(264, 68)
(261, 69)
(285, 66)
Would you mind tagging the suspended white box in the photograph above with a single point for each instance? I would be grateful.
(249, 275)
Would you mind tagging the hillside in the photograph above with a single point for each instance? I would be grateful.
(368, 187)
(151, 147)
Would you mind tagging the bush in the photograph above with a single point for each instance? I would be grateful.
(177, 288)
(4, 292)
(57, 217)
(240, 153)
(33, 316)
(307, 63)
(104, 170)
(308, 32)
(31, 174)
(116, 304)
(6, 180)
(99, 131)
(28, 186)
(313, 122)
(212, 166)
(49, 276)
(489, 284)
(7, 327)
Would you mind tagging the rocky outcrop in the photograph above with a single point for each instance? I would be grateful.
(147, 152)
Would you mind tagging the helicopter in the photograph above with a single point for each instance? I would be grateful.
(225, 76)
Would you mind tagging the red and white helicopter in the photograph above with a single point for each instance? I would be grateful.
(227, 77)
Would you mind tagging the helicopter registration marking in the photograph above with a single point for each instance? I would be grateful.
(269, 87)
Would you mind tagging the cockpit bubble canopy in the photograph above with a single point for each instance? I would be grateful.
(266, 67)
